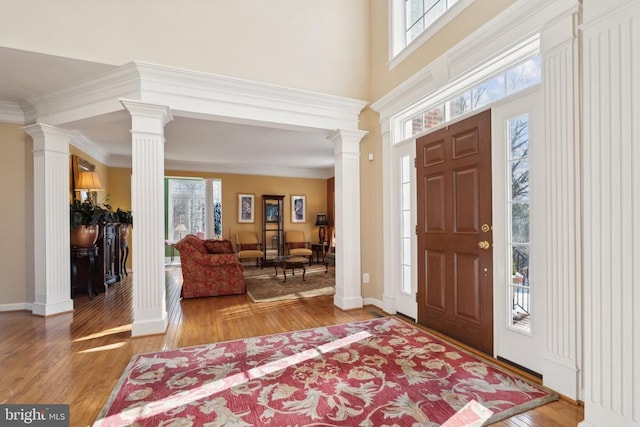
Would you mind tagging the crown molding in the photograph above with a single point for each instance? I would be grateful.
(226, 97)
(237, 169)
(192, 93)
(89, 98)
(10, 112)
(92, 149)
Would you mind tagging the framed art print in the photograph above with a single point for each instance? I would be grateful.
(298, 209)
(246, 208)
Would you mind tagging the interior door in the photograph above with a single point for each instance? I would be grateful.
(455, 281)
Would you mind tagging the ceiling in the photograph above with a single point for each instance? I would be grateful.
(191, 144)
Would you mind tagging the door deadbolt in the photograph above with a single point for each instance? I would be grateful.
(485, 228)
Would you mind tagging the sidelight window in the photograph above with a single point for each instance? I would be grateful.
(405, 215)
(519, 286)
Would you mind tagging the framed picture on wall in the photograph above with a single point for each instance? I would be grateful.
(298, 209)
(246, 208)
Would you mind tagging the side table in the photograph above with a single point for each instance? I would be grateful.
(76, 254)
(319, 251)
(124, 255)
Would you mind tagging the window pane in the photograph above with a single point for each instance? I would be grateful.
(406, 224)
(413, 11)
(406, 196)
(520, 180)
(406, 251)
(186, 207)
(524, 75)
(433, 10)
(406, 279)
(487, 92)
(520, 223)
(414, 31)
(434, 117)
(519, 136)
(460, 104)
(406, 169)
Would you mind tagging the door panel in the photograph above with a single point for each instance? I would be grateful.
(520, 321)
(454, 200)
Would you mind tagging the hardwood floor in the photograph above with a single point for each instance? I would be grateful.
(77, 358)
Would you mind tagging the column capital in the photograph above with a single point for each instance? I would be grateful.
(347, 135)
(145, 117)
(49, 137)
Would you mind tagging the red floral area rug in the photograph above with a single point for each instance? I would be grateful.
(380, 372)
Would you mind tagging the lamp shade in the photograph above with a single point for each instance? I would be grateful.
(181, 228)
(89, 181)
(321, 219)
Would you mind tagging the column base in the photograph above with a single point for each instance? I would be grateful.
(40, 309)
(141, 328)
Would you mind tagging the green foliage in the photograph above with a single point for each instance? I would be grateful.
(84, 213)
(124, 217)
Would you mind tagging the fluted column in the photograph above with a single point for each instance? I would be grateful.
(563, 281)
(347, 192)
(51, 219)
(147, 201)
(611, 213)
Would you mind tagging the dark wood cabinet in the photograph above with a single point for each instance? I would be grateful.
(272, 228)
(109, 255)
(107, 265)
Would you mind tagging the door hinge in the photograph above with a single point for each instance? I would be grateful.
(416, 229)
(416, 297)
(415, 162)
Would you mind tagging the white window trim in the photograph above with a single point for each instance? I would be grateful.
(398, 49)
(502, 62)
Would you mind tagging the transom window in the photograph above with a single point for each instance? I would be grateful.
(420, 14)
(488, 91)
(413, 22)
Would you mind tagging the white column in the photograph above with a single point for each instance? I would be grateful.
(563, 274)
(347, 186)
(611, 112)
(51, 219)
(208, 208)
(147, 201)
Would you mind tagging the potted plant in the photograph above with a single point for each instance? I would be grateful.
(85, 219)
(125, 218)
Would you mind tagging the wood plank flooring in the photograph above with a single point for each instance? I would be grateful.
(77, 358)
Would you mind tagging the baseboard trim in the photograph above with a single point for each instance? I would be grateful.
(18, 306)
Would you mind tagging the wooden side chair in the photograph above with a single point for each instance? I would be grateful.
(249, 247)
(297, 245)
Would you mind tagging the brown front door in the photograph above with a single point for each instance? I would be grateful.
(455, 286)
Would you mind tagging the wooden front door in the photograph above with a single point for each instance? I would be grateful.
(455, 284)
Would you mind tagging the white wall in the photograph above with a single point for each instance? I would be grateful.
(322, 46)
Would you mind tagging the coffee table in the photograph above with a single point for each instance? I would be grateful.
(291, 262)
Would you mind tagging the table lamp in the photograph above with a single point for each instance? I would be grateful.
(321, 220)
(89, 181)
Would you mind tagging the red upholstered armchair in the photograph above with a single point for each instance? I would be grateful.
(209, 268)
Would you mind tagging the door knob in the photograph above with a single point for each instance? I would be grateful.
(484, 244)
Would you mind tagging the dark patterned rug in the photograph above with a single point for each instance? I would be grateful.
(264, 286)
